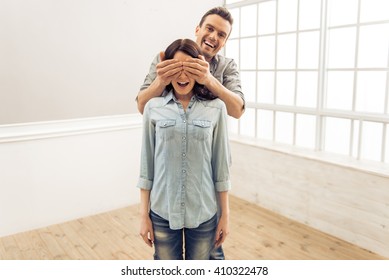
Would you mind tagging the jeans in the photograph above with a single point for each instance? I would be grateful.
(169, 244)
(217, 254)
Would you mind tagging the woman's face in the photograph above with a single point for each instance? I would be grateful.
(182, 84)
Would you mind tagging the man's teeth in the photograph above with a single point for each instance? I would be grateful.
(182, 83)
(209, 44)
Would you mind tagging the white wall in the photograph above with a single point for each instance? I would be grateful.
(68, 59)
(345, 202)
(58, 171)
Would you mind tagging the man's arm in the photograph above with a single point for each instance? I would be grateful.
(234, 102)
(160, 75)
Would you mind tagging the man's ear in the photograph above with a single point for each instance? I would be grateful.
(162, 56)
(197, 30)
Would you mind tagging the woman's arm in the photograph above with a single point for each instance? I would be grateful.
(146, 227)
(223, 228)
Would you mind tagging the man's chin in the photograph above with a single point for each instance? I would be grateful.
(207, 54)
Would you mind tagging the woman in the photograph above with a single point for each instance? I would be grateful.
(185, 163)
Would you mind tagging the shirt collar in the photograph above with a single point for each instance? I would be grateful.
(170, 96)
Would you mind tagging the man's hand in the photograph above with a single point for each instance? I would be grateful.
(198, 69)
(168, 69)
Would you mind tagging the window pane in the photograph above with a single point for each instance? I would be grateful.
(267, 17)
(236, 26)
(337, 135)
(307, 89)
(309, 14)
(285, 88)
(372, 10)
(266, 49)
(342, 12)
(265, 124)
(373, 45)
(232, 50)
(341, 48)
(287, 15)
(340, 90)
(286, 51)
(371, 141)
(266, 87)
(249, 20)
(371, 91)
(305, 131)
(308, 52)
(284, 128)
(248, 53)
(248, 85)
(247, 123)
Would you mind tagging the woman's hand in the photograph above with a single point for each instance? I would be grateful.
(222, 230)
(146, 231)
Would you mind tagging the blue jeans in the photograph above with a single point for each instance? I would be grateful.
(169, 244)
(217, 253)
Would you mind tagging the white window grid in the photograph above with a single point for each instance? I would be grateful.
(358, 120)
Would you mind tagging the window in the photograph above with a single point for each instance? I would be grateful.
(315, 73)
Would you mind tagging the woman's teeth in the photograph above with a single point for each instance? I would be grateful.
(182, 84)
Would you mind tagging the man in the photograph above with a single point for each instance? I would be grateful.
(219, 74)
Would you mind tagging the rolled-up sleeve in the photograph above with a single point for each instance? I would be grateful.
(221, 156)
(146, 176)
(231, 80)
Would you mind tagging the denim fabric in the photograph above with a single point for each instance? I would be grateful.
(222, 68)
(217, 254)
(169, 243)
(185, 159)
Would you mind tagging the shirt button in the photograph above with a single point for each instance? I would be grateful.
(184, 155)
(183, 204)
(184, 121)
(183, 186)
(183, 138)
(183, 171)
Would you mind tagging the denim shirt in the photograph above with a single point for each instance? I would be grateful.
(185, 158)
(222, 68)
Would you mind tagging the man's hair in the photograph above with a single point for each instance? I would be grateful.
(220, 11)
(190, 48)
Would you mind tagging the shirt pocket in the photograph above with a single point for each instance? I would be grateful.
(202, 129)
(165, 129)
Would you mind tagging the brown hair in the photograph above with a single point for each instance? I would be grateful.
(190, 48)
(220, 11)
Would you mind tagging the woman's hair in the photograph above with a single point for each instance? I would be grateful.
(190, 48)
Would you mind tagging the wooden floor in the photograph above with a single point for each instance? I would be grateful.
(256, 233)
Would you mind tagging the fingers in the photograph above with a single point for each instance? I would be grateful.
(220, 237)
(148, 238)
(167, 69)
(162, 56)
(196, 66)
